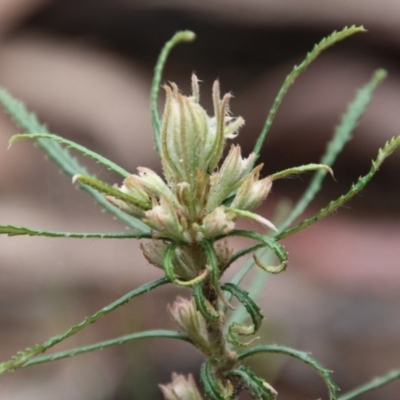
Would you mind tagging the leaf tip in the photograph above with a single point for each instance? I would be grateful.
(188, 36)
(76, 178)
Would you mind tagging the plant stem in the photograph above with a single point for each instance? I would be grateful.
(223, 359)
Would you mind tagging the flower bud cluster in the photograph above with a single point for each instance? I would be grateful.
(189, 205)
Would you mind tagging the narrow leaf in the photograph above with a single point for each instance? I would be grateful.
(61, 156)
(268, 242)
(215, 273)
(22, 357)
(301, 169)
(168, 265)
(202, 304)
(296, 71)
(253, 216)
(75, 146)
(342, 135)
(107, 189)
(372, 385)
(251, 307)
(241, 253)
(261, 389)
(300, 355)
(383, 153)
(11, 230)
(183, 36)
(156, 333)
(212, 387)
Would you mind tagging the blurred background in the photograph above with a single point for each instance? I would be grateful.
(85, 68)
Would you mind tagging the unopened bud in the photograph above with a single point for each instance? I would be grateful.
(164, 219)
(218, 222)
(154, 252)
(224, 182)
(190, 139)
(184, 130)
(252, 192)
(151, 183)
(181, 388)
(190, 321)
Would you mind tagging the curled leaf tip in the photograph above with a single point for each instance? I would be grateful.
(192, 282)
(188, 36)
(272, 269)
(76, 178)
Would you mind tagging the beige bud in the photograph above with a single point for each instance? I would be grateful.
(224, 182)
(252, 192)
(181, 388)
(190, 321)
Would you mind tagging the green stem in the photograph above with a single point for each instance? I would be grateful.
(222, 359)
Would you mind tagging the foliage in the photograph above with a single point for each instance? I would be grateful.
(188, 216)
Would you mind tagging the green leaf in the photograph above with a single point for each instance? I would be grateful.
(261, 389)
(383, 153)
(156, 333)
(11, 230)
(267, 242)
(372, 385)
(296, 71)
(75, 146)
(300, 355)
(21, 358)
(341, 136)
(61, 156)
(301, 169)
(202, 304)
(107, 189)
(183, 36)
(251, 307)
(215, 273)
(168, 265)
(241, 253)
(212, 387)
(212, 261)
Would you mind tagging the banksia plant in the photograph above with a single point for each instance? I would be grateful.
(187, 215)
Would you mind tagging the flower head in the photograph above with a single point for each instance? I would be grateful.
(190, 204)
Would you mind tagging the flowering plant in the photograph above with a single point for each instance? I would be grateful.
(187, 217)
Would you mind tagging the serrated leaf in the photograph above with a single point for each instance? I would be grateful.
(12, 230)
(61, 156)
(301, 169)
(168, 266)
(371, 385)
(156, 333)
(251, 307)
(109, 190)
(267, 242)
(179, 37)
(341, 136)
(202, 304)
(22, 357)
(212, 387)
(300, 355)
(389, 147)
(296, 71)
(261, 389)
(83, 150)
(215, 273)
